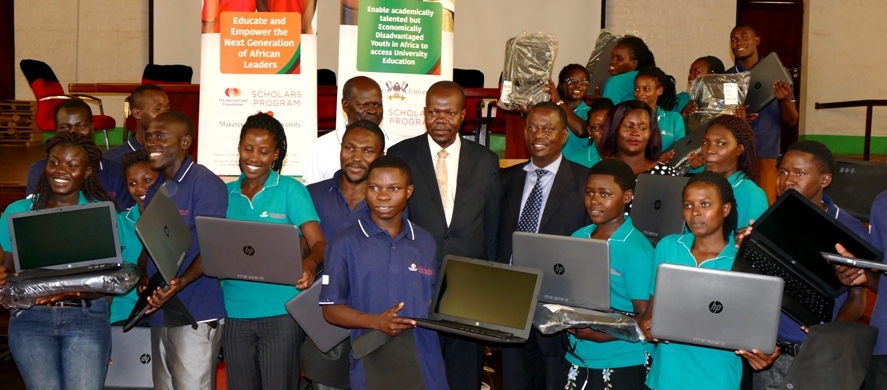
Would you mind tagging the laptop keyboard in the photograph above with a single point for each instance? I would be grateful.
(795, 287)
(467, 328)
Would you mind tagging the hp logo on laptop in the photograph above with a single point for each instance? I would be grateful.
(758, 85)
(166, 230)
(658, 204)
(559, 269)
(145, 358)
(715, 307)
(248, 250)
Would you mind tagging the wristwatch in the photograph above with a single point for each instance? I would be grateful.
(560, 102)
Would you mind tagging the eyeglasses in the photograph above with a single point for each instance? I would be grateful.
(574, 81)
(70, 127)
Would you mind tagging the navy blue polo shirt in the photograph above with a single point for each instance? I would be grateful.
(789, 330)
(767, 126)
(878, 238)
(110, 176)
(332, 208)
(196, 191)
(370, 271)
(116, 153)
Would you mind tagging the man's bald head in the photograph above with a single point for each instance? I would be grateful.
(360, 83)
(446, 88)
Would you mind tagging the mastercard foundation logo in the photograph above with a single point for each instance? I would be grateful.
(232, 92)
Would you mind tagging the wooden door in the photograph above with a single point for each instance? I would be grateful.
(780, 25)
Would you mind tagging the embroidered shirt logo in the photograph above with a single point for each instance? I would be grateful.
(413, 268)
(425, 271)
(264, 214)
(278, 216)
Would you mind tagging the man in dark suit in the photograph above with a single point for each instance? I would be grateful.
(544, 195)
(455, 198)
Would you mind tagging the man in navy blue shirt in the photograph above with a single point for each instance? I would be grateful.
(340, 201)
(767, 123)
(147, 101)
(185, 357)
(381, 272)
(75, 115)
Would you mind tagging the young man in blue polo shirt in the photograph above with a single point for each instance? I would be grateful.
(185, 357)
(75, 115)
(147, 101)
(340, 201)
(767, 123)
(381, 272)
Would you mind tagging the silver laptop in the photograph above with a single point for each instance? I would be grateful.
(253, 251)
(657, 208)
(304, 308)
(576, 271)
(715, 308)
(130, 366)
(164, 234)
(484, 300)
(763, 76)
(65, 240)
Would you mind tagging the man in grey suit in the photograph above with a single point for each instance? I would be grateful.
(455, 199)
(544, 195)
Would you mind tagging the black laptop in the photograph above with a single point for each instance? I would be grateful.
(786, 241)
(657, 208)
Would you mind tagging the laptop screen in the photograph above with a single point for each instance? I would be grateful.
(69, 236)
(802, 232)
(493, 295)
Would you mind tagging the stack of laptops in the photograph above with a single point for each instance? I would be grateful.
(484, 300)
(576, 271)
(65, 240)
(714, 308)
(786, 242)
(658, 206)
(167, 240)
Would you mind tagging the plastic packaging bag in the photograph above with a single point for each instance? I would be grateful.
(552, 318)
(529, 62)
(717, 94)
(599, 62)
(22, 293)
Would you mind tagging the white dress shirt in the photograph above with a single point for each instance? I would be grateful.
(452, 161)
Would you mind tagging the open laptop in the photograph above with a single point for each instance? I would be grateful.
(484, 300)
(786, 241)
(764, 75)
(304, 308)
(715, 308)
(657, 208)
(576, 271)
(65, 240)
(130, 366)
(167, 240)
(856, 184)
(253, 251)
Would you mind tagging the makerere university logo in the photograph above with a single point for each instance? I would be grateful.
(397, 90)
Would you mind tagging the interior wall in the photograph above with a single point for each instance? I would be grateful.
(177, 34)
(677, 32)
(85, 41)
(844, 61)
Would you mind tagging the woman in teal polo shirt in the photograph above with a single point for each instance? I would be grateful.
(572, 83)
(728, 149)
(64, 341)
(597, 360)
(138, 176)
(261, 340)
(629, 55)
(654, 87)
(710, 212)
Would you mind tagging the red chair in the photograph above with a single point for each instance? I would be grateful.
(49, 94)
(156, 74)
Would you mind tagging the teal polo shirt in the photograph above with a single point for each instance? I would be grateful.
(121, 305)
(631, 259)
(683, 366)
(671, 126)
(581, 151)
(620, 88)
(751, 201)
(683, 99)
(282, 200)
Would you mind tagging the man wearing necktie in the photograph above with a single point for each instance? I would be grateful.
(455, 198)
(544, 195)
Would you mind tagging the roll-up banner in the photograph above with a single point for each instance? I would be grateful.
(405, 46)
(257, 55)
